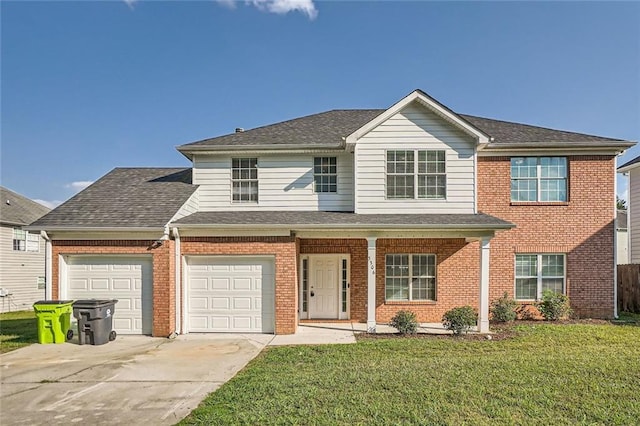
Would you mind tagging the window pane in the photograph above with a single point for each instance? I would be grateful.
(552, 265)
(524, 167)
(553, 190)
(553, 167)
(399, 186)
(554, 284)
(397, 277)
(524, 189)
(526, 265)
(526, 288)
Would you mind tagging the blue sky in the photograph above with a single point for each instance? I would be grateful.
(89, 86)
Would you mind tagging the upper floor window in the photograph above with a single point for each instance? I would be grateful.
(325, 174)
(539, 179)
(244, 180)
(416, 174)
(410, 277)
(536, 273)
(24, 241)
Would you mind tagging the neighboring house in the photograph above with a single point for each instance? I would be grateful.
(622, 238)
(22, 253)
(631, 169)
(345, 215)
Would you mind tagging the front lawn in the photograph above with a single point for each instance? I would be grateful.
(17, 329)
(542, 374)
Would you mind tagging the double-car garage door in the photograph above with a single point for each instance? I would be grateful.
(223, 294)
(230, 294)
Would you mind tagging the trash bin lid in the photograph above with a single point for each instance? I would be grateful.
(94, 303)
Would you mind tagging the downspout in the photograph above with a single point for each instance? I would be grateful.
(48, 279)
(615, 242)
(178, 281)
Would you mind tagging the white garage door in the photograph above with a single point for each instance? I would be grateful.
(230, 294)
(128, 279)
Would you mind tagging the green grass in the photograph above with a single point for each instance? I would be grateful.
(544, 374)
(17, 329)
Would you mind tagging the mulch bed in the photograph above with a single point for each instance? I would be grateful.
(500, 331)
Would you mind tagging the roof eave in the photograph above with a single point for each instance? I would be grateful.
(54, 228)
(612, 147)
(293, 226)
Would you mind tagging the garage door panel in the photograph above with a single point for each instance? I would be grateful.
(127, 279)
(235, 294)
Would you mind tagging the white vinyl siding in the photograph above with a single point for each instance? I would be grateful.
(285, 182)
(21, 272)
(188, 208)
(634, 215)
(415, 128)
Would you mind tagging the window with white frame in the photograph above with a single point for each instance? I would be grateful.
(536, 273)
(539, 179)
(410, 277)
(25, 241)
(244, 180)
(325, 174)
(408, 170)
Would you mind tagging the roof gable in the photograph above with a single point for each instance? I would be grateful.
(421, 98)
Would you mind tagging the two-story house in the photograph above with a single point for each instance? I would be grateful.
(345, 215)
(22, 254)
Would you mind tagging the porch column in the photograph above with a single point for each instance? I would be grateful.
(371, 284)
(483, 317)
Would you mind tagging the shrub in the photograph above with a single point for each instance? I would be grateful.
(554, 306)
(503, 309)
(405, 321)
(460, 319)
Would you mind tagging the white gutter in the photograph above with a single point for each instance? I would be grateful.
(48, 269)
(367, 227)
(178, 283)
(98, 229)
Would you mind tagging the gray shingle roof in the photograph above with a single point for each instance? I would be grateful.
(17, 209)
(631, 162)
(303, 219)
(323, 129)
(125, 197)
(327, 129)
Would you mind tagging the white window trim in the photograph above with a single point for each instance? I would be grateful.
(411, 299)
(29, 237)
(325, 174)
(539, 180)
(539, 276)
(257, 180)
(415, 174)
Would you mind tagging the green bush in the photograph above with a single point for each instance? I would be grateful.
(503, 309)
(460, 319)
(554, 306)
(405, 321)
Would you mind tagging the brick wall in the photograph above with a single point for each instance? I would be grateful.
(163, 272)
(284, 251)
(457, 274)
(582, 228)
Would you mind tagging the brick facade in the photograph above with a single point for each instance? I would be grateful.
(582, 228)
(164, 312)
(284, 249)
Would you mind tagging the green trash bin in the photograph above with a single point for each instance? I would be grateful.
(54, 320)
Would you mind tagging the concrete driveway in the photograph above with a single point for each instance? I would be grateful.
(133, 380)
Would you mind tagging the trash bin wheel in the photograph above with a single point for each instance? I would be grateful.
(112, 336)
(69, 334)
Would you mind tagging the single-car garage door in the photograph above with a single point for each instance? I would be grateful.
(128, 279)
(230, 294)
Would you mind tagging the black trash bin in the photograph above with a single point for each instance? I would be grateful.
(95, 320)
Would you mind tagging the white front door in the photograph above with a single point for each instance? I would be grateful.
(323, 287)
